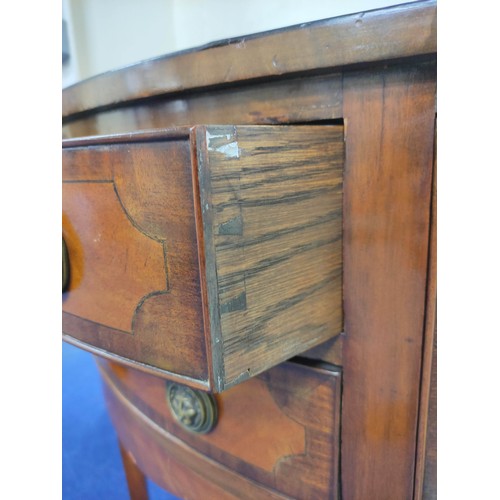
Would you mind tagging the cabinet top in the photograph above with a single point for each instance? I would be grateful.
(381, 35)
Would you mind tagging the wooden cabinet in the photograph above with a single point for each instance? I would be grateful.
(279, 256)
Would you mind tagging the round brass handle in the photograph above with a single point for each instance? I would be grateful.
(65, 266)
(194, 410)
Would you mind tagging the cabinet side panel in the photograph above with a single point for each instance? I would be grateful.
(389, 119)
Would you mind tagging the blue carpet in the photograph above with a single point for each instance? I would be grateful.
(91, 462)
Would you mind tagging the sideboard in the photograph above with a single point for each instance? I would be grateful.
(249, 251)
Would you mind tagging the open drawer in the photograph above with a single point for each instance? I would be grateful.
(204, 255)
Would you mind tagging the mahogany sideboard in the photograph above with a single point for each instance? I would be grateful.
(249, 251)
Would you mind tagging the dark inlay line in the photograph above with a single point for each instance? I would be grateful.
(132, 221)
(142, 301)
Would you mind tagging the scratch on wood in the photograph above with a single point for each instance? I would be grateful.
(238, 303)
(240, 378)
(218, 142)
(233, 226)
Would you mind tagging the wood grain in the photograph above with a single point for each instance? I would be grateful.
(389, 118)
(280, 425)
(271, 205)
(381, 35)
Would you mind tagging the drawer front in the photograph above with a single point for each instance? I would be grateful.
(279, 429)
(128, 223)
(204, 255)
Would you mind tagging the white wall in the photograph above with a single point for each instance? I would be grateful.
(113, 33)
(71, 69)
(107, 34)
(197, 22)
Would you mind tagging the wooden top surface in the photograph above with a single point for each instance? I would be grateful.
(392, 33)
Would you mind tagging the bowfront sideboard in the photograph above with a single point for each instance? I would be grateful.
(249, 251)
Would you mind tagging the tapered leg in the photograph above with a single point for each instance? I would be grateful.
(135, 478)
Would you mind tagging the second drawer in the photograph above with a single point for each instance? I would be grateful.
(280, 429)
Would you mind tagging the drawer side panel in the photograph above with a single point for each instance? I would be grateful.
(271, 203)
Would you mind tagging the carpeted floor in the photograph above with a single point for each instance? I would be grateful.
(91, 462)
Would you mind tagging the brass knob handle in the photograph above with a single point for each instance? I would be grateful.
(65, 266)
(194, 410)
